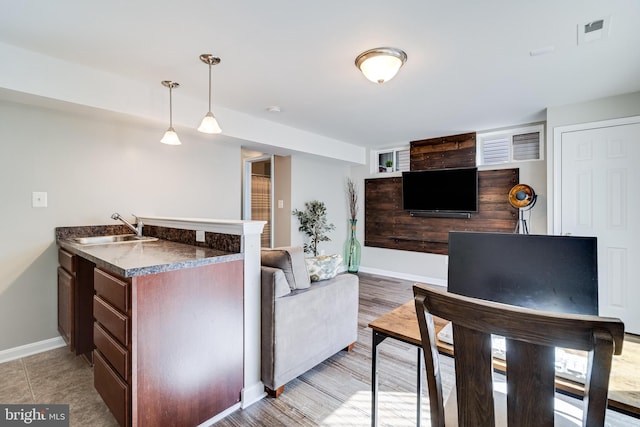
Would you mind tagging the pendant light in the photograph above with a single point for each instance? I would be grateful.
(209, 123)
(381, 64)
(170, 136)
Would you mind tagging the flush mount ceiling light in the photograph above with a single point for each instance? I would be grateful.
(209, 123)
(381, 64)
(170, 136)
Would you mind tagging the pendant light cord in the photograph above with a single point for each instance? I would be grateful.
(209, 86)
(170, 106)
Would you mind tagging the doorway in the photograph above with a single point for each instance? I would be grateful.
(258, 195)
(595, 176)
(266, 195)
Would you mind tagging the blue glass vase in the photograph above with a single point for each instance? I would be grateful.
(352, 249)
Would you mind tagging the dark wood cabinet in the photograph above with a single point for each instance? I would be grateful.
(169, 346)
(114, 391)
(75, 312)
(112, 340)
(187, 344)
(66, 286)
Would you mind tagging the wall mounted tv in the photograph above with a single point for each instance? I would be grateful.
(550, 273)
(440, 191)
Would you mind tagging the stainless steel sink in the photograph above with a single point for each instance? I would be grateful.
(122, 238)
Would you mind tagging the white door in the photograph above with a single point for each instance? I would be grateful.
(600, 196)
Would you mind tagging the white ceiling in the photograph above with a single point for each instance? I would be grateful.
(469, 66)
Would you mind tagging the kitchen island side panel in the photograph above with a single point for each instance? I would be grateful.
(187, 347)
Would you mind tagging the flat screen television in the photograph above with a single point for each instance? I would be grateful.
(440, 190)
(551, 273)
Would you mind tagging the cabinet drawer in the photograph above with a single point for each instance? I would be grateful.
(67, 260)
(113, 390)
(111, 319)
(115, 353)
(111, 289)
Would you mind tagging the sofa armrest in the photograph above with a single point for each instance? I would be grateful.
(275, 279)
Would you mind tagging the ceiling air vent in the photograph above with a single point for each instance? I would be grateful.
(593, 30)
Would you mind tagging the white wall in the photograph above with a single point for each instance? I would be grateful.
(611, 107)
(91, 166)
(316, 178)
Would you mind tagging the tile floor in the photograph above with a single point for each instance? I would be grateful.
(55, 376)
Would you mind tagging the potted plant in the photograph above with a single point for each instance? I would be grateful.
(389, 165)
(313, 223)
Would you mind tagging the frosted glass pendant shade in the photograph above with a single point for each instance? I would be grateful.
(381, 64)
(170, 137)
(209, 124)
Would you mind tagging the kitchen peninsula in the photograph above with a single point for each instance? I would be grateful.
(161, 319)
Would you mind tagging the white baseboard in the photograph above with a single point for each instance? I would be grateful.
(252, 394)
(404, 276)
(30, 349)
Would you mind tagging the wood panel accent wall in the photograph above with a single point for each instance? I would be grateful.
(388, 226)
(456, 151)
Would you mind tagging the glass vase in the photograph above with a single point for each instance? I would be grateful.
(352, 249)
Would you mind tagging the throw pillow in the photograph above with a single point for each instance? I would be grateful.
(323, 267)
(291, 260)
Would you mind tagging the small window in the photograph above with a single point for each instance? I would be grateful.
(390, 160)
(402, 160)
(510, 145)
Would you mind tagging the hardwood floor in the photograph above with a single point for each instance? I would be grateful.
(336, 393)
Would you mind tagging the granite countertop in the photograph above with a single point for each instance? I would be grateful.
(147, 257)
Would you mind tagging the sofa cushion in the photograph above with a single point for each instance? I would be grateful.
(323, 267)
(290, 260)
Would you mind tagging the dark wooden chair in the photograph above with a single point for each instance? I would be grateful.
(531, 337)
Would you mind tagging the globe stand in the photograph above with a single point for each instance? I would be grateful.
(521, 225)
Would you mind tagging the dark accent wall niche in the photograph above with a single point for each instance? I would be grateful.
(388, 226)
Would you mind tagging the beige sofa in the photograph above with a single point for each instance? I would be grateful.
(303, 322)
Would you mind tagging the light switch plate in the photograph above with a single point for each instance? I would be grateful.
(280, 204)
(39, 199)
(199, 235)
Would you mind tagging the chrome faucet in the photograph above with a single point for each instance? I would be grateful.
(135, 228)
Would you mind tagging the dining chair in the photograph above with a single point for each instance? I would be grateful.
(531, 338)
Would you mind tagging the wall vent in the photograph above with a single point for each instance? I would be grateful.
(594, 30)
(594, 26)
